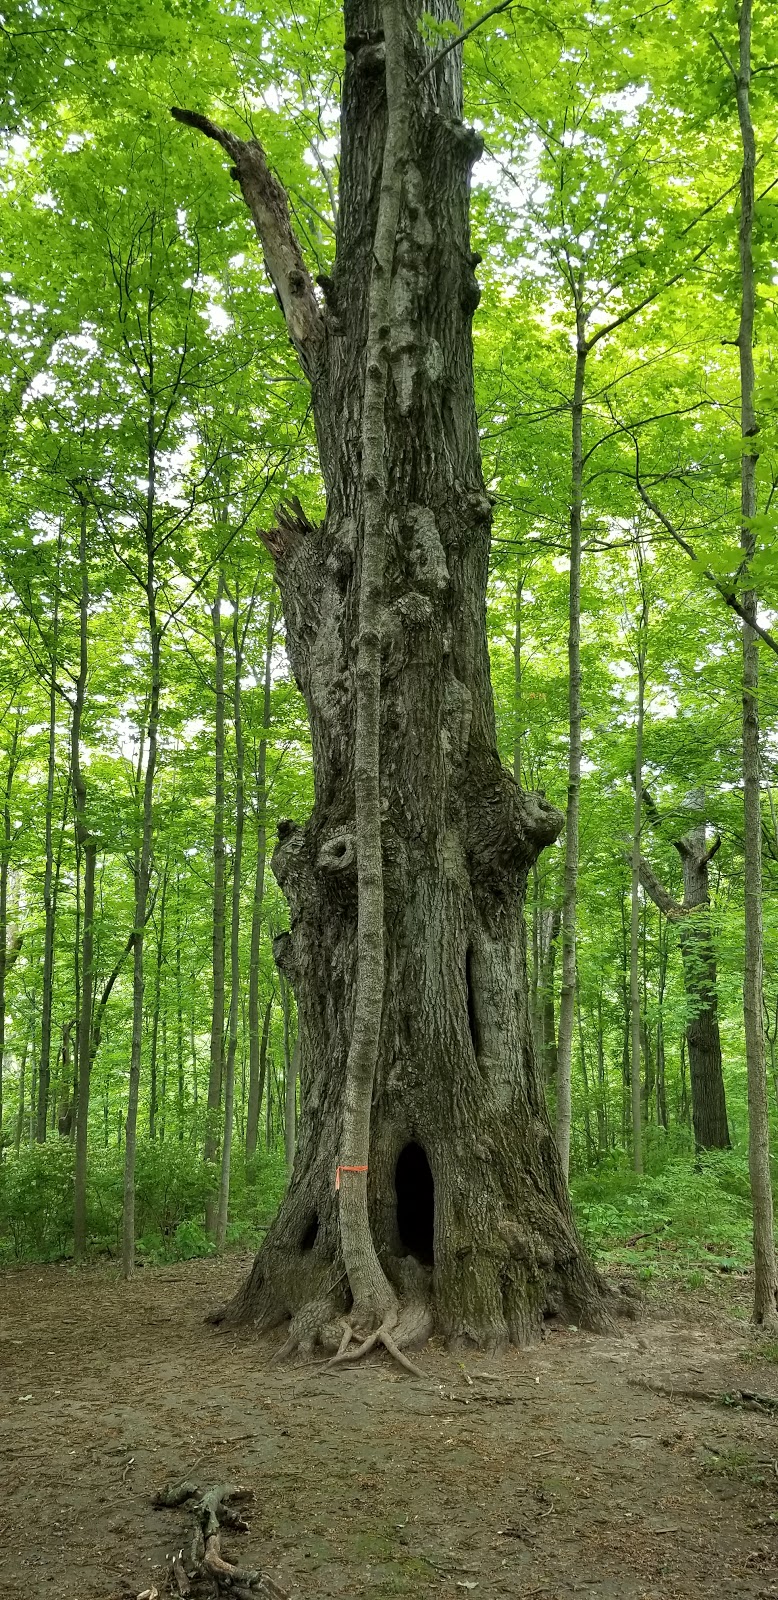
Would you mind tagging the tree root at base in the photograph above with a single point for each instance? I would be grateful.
(310, 1330)
(207, 1571)
(381, 1336)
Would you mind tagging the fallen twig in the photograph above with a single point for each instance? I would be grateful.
(636, 1237)
(210, 1572)
(744, 1399)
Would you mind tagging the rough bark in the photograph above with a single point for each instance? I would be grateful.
(765, 1274)
(467, 1204)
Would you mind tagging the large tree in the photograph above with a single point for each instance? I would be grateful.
(470, 1225)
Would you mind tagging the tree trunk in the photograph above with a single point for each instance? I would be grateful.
(467, 1205)
(765, 1276)
(22, 1088)
(698, 954)
(255, 1086)
(709, 1106)
(661, 1090)
(602, 1084)
(9, 948)
(87, 846)
(549, 924)
(634, 943)
(145, 860)
(49, 893)
(291, 1066)
(570, 889)
(237, 871)
(219, 913)
(180, 1092)
(155, 1017)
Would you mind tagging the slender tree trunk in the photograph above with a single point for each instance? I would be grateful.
(193, 1050)
(271, 1078)
(634, 943)
(373, 1296)
(49, 891)
(8, 947)
(163, 1088)
(155, 1016)
(22, 1090)
(180, 1094)
(517, 708)
(603, 1139)
(86, 842)
(661, 1087)
(765, 1275)
(143, 876)
(584, 1079)
(549, 924)
(255, 1087)
(570, 880)
(291, 1056)
(219, 912)
(237, 873)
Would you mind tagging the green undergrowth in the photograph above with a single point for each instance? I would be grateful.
(172, 1186)
(690, 1219)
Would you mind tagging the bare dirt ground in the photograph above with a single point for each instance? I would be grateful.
(552, 1472)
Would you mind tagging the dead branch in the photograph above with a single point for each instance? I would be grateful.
(210, 1571)
(267, 201)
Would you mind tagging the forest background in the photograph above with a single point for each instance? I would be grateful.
(152, 736)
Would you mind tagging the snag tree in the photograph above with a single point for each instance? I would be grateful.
(414, 1029)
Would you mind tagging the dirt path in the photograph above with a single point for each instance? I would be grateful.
(556, 1475)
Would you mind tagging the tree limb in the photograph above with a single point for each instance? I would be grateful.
(727, 595)
(659, 894)
(267, 202)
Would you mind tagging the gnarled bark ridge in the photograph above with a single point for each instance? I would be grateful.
(468, 1208)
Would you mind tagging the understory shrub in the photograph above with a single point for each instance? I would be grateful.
(691, 1213)
(172, 1184)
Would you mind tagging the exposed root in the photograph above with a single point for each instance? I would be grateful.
(209, 1571)
(348, 1334)
(361, 1350)
(390, 1336)
(394, 1350)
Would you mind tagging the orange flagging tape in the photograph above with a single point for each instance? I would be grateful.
(338, 1171)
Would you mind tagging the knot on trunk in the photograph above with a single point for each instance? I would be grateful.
(425, 557)
(507, 829)
(337, 861)
(292, 867)
(283, 955)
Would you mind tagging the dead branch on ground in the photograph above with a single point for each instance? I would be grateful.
(208, 1571)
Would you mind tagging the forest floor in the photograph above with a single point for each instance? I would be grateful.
(555, 1472)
